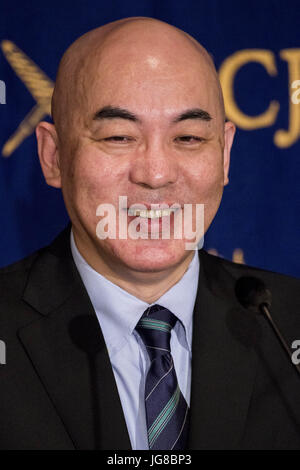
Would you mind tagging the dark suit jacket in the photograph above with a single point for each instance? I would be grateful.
(57, 388)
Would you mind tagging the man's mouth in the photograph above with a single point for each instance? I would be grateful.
(152, 213)
(159, 220)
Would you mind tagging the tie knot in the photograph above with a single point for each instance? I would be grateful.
(155, 328)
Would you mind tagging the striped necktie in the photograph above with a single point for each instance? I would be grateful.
(166, 408)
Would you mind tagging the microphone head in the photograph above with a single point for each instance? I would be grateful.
(252, 293)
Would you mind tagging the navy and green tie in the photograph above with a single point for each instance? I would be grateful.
(166, 408)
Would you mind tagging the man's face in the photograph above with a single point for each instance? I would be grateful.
(156, 150)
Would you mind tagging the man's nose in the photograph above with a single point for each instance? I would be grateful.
(154, 167)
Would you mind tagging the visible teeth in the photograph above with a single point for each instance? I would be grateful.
(151, 214)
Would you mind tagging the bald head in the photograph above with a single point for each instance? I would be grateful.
(126, 43)
(138, 111)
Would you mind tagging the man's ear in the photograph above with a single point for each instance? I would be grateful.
(48, 153)
(229, 132)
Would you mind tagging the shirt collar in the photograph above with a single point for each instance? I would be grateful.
(118, 311)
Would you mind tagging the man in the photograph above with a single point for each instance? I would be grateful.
(138, 342)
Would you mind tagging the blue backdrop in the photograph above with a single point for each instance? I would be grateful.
(256, 47)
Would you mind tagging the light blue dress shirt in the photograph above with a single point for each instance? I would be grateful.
(118, 313)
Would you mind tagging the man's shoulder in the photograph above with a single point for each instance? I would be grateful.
(59, 245)
(37, 284)
(13, 277)
(20, 265)
(222, 275)
(237, 270)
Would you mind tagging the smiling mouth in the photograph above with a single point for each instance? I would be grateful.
(152, 213)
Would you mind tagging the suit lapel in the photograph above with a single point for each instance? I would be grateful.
(223, 361)
(69, 354)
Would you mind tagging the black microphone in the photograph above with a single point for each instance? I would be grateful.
(253, 295)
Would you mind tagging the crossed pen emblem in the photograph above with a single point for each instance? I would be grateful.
(39, 85)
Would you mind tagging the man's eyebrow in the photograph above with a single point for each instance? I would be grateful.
(113, 112)
(195, 113)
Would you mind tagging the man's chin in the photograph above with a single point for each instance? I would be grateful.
(150, 255)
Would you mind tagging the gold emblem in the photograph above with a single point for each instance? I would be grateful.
(237, 255)
(40, 87)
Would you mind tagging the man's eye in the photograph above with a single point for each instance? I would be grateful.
(118, 138)
(190, 139)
